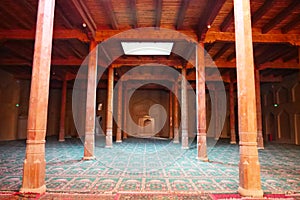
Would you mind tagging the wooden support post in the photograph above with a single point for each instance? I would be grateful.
(61, 136)
(125, 107)
(201, 103)
(249, 167)
(90, 115)
(171, 133)
(176, 120)
(216, 104)
(232, 113)
(184, 111)
(119, 128)
(35, 163)
(260, 139)
(298, 54)
(109, 113)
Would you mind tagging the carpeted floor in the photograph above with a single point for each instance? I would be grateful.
(155, 166)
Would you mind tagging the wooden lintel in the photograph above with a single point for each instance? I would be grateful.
(293, 39)
(279, 65)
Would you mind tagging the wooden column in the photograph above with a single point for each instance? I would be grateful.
(171, 134)
(176, 120)
(216, 103)
(249, 167)
(109, 114)
(35, 163)
(61, 136)
(184, 111)
(232, 113)
(260, 139)
(119, 128)
(298, 54)
(125, 107)
(90, 114)
(201, 103)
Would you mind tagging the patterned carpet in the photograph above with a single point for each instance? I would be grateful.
(154, 166)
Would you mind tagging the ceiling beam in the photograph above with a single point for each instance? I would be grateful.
(293, 23)
(66, 21)
(208, 16)
(271, 54)
(293, 39)
(227, 21)
(279, 65)
(281, 16)
(261, 11)
(231, 56)
(222, 50)
(182, 11)
(133, 13)
(15, 17)
(158, 13)
(86, 16)
(110, 13)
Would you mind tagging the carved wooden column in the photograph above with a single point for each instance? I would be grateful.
(176, 120)
(232, 113)
(125, 107)
(90, 110)
(184, 111)
(61, 136)
(119, 128)
(201, 103)
(109, 114)
(217, 122)
(171, 134)
(35, 163)
(249, 167)
(260, 139)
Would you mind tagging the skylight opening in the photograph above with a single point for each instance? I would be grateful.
(147, 48)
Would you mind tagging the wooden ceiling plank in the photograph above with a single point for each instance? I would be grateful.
(15, 17)
(261, 11)
(182, 11)
(222, 51)
(158, 13)
(211, 11)
(227, 21)
(134, 13)
(63, 17)
(281, 16)
(110, 13)
(231, 56)
(294, 22)
(76, 51)
(86, 16)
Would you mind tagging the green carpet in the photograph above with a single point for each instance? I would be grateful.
(156, 166)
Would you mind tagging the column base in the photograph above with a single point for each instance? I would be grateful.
(216, 138)
(260, 148)
(203, 159)
(250, 193)
(61, 140)
(108, 146)
(88, 158)
(119, 141)
(39, 190)
(184, 147)
(232, 142)
(175, 142)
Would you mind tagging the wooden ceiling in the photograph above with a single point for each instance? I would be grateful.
(275, 23)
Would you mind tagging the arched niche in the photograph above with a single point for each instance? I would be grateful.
(269, 99)
(296, 92)
(284, 125)
(271, 127)
(283, 95)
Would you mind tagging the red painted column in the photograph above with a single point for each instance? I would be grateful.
(201, 103)
(232, 113)
(109, 113)
(176, 120)
(35, 163)
(171, 134)
(249, 167)
(260, 139)
(184, 110)
(119, 131)
(61, 136)
(89, 140)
